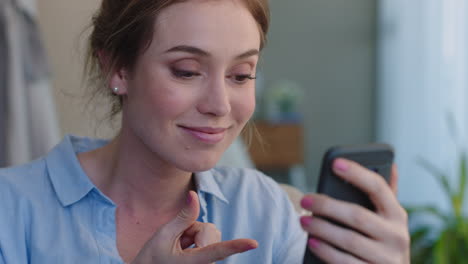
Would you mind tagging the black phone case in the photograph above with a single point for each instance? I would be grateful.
(376, 157)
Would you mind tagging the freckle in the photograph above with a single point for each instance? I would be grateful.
(187, 147)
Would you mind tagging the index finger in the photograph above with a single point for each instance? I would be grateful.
(221, 250)
(369, 182)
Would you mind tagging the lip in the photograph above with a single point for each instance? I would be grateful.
(211, 135)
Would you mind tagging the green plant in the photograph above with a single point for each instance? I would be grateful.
(450, 243)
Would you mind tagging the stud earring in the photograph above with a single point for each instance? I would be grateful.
(115, 90)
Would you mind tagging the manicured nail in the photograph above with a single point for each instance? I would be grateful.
(189, 198)
(314, 243)
(341, 165)
(250, 247)
(306, 220)
(306, 202)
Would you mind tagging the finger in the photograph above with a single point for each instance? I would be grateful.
(345, 239)
(186, 241)
(394, 179)
(371, 183)
(208, 235)
(203, 234)
(330, 254)
(220, 250)
(184, 219)
(352, 215)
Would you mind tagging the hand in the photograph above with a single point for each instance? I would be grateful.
(383, 235)
(170, 244)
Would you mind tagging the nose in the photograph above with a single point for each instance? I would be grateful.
(215, 99)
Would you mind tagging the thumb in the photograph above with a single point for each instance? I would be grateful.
(394, 179)
(161, 246)
(187, 215)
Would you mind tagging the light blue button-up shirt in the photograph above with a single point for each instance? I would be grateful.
(50, 212)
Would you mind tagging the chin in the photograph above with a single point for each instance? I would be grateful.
(197, 167)
(198, 163)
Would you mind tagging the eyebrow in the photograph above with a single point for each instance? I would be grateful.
(200, 52)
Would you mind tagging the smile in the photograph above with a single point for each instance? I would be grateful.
(208, 135)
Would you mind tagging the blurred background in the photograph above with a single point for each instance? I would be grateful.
(333, 72)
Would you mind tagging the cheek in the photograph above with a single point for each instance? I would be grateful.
(167, 100)
(159, 96)
(244, 105)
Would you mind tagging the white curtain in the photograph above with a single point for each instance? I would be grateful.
(422, 65)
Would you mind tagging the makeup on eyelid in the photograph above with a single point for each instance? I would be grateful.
(188, 74)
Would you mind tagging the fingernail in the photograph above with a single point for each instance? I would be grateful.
(250, 247)
(306, 202)
(189, 198)
(341, 165)
(314, 243)
(306, 220)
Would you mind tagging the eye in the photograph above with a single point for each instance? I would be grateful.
(184, 74)
(242, 78)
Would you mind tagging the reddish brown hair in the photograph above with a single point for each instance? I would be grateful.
(123, 29)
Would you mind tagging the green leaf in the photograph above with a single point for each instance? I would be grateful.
(420, 235)
(462, 183)
(423, 255)
(421, 245)
(456, 205)
(429, 209)
(438, 175)
(443, 250)
(451, 125)
(463, 230)
(458, 198)
(450, 246)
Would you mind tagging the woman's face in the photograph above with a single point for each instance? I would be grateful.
(189, 94)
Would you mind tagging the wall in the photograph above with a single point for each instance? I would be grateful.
(62, 22)
(328, 47)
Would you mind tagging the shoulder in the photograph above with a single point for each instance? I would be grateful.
(22, 189)
(24, 180)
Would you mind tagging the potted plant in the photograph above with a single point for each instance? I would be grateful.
(449, 244)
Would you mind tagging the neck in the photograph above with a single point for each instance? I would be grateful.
(135, 178)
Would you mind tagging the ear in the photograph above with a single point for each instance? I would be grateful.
(119, 79)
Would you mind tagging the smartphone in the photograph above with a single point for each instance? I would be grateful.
(375, 157)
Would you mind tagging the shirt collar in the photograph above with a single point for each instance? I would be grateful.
(206, 183)
(69, 180)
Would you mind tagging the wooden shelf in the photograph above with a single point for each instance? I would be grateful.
(282, 146)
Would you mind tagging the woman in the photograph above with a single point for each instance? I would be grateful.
(182, 74)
